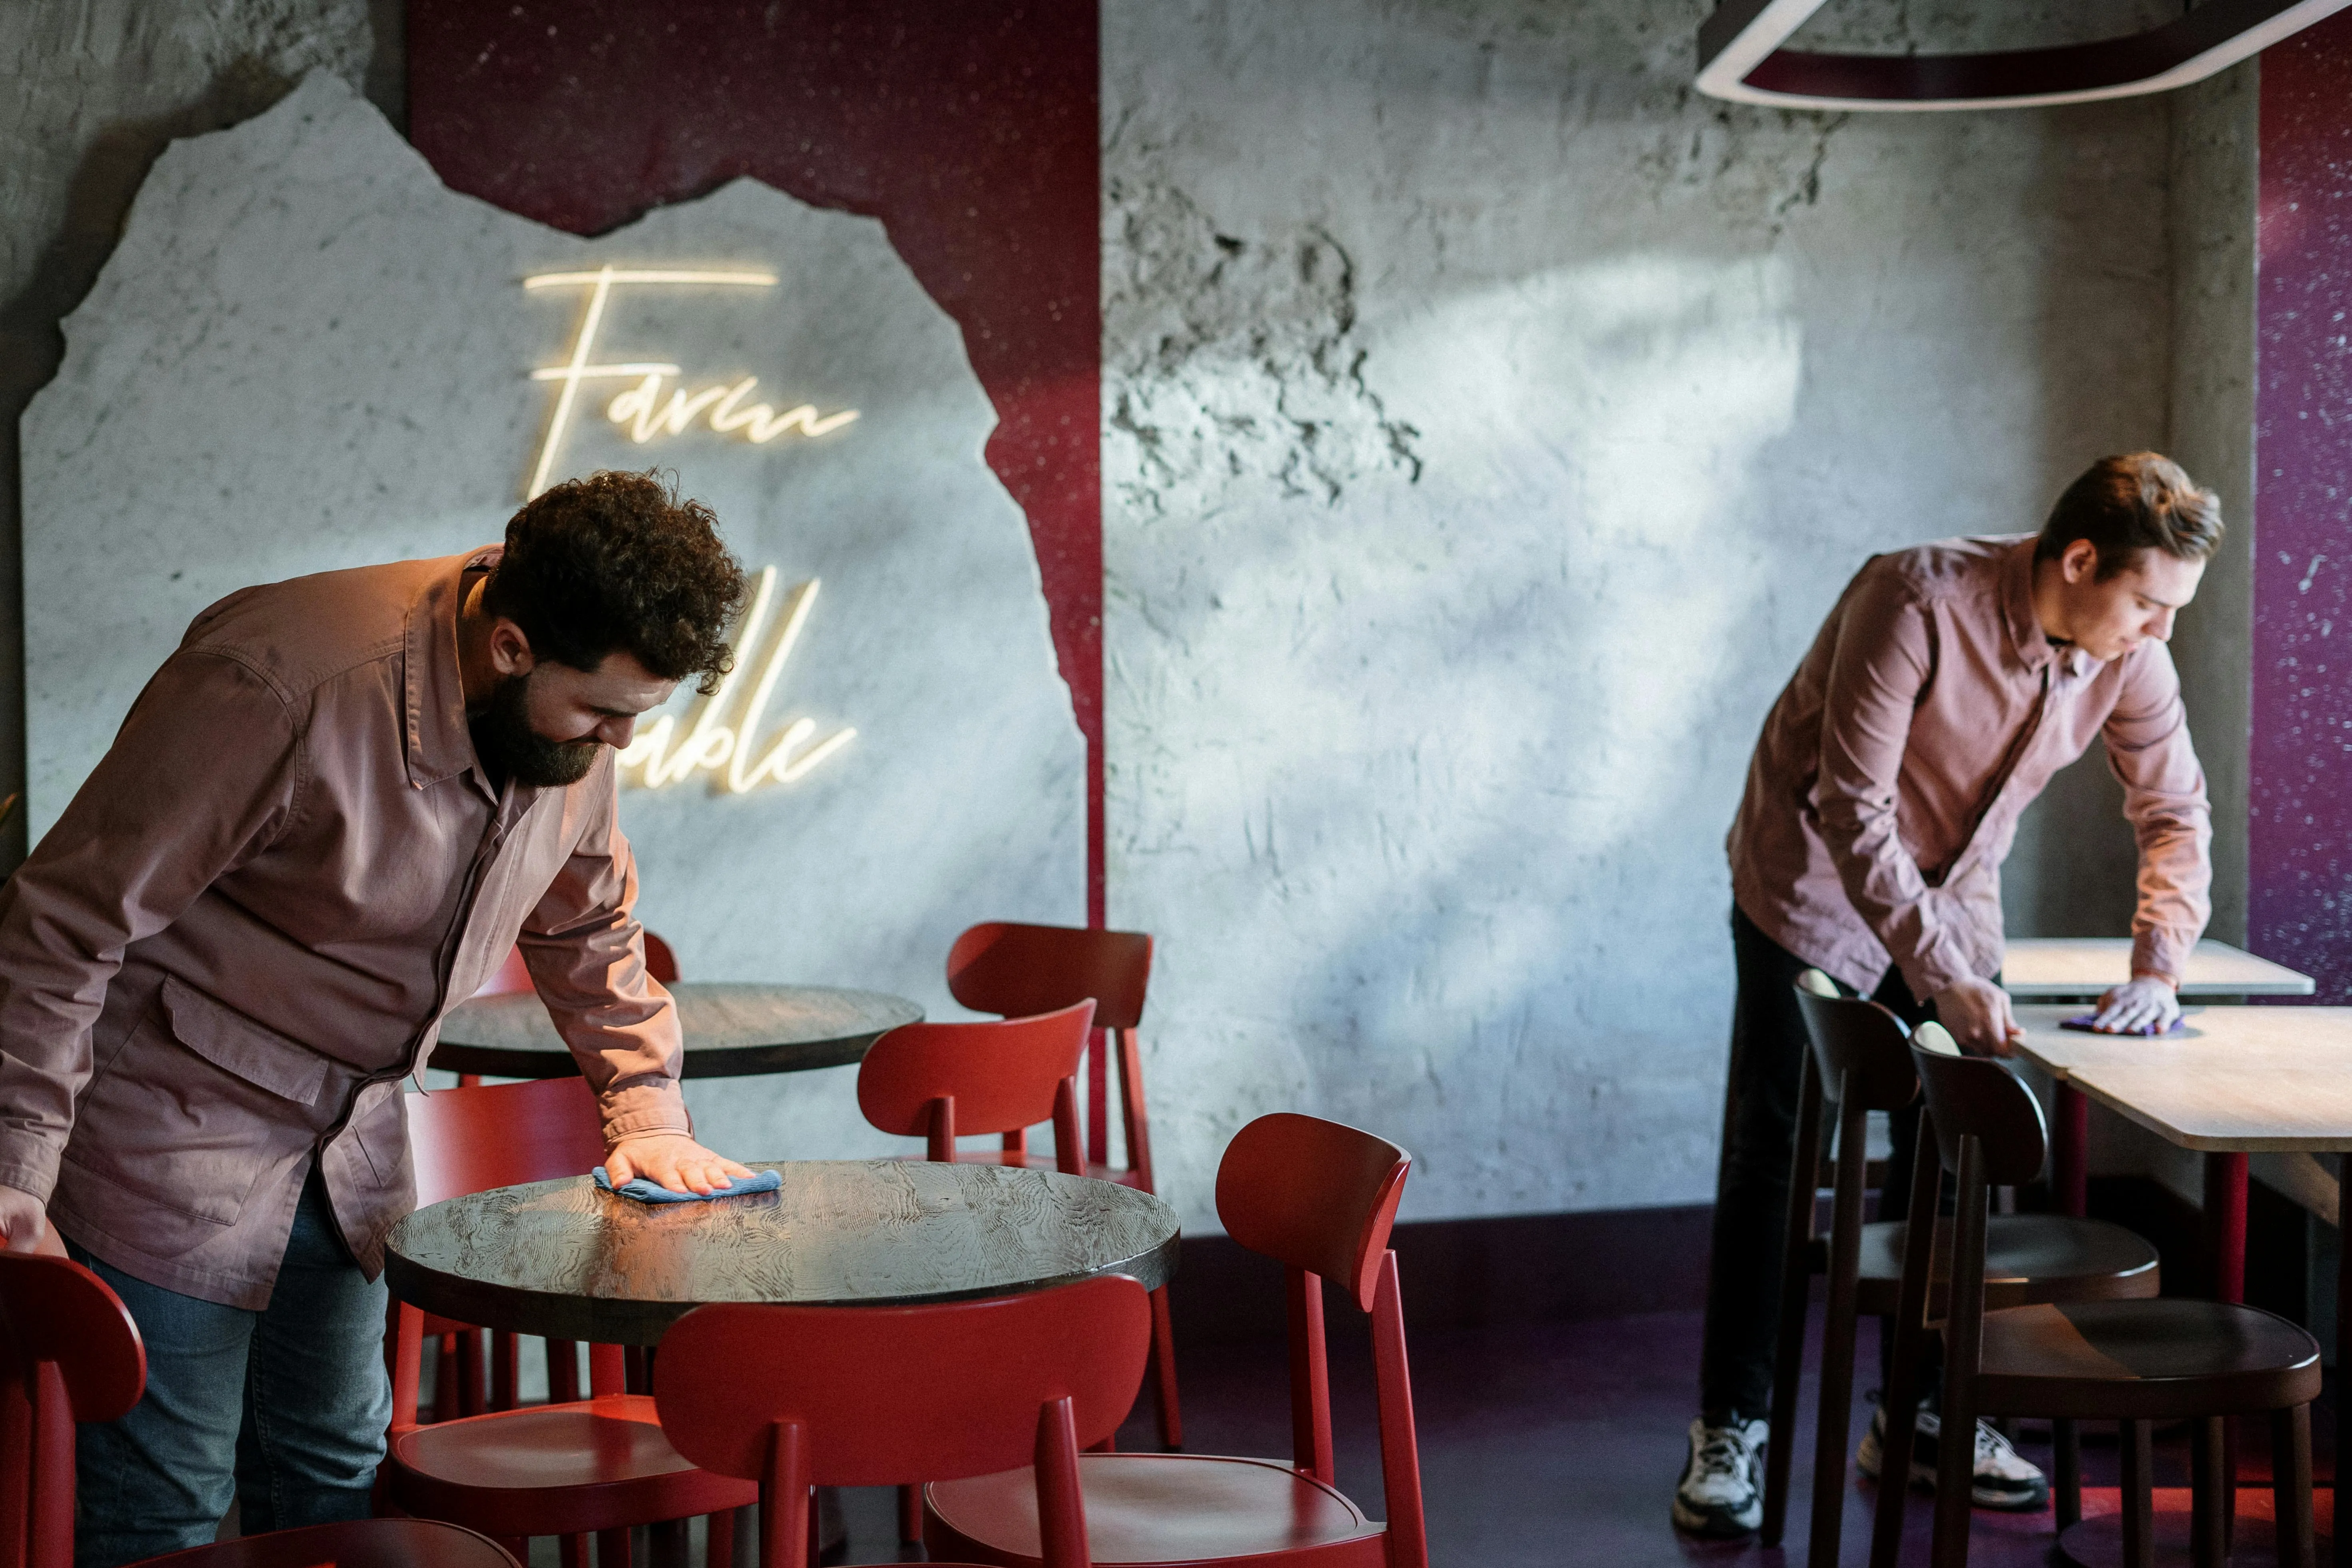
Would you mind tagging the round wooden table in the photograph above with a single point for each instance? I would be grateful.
(732, 1030)
(566, 1261)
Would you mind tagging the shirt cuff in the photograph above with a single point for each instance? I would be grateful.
(2162, 950)
(658, 1106)
(1940, 967)
(37, 1180)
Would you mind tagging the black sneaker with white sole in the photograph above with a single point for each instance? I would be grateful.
(2005, 1480)
(1721, 1494)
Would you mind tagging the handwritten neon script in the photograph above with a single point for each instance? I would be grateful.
(640, 410)
(725, 749)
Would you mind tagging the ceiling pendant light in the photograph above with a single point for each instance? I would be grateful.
(1740, 58)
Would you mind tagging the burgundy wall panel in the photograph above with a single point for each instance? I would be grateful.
(2301, 799)
(969, 128)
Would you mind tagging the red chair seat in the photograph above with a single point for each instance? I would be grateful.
(371, 1543)
(557, 1470)
(1160, 1509)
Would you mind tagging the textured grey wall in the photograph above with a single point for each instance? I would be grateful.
(1489, 421)
(90, 92)
(2214, 136)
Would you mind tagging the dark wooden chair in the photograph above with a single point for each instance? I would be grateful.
(1015, 971)
(1320, 1198)
(792, 1397)
(69, 1353)
(2133, 1361)
(1861, 1062)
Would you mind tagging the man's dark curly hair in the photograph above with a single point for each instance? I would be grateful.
(617, 561)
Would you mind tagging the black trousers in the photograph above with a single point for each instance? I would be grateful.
(1751, 1196)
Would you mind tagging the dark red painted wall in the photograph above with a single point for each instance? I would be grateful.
(968, 127)
(2301, 799)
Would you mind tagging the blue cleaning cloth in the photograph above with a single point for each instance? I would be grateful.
(646, 1192)
(2087, 1024)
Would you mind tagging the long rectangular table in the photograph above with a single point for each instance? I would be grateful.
(2083, 968)
(2237, 1081)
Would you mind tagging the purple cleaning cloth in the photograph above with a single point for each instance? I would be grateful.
(646, 1192)
(2084, 1022)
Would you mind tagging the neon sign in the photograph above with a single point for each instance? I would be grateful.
(640, 409)
(725, 749)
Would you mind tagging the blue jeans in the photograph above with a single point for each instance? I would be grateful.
(283, 1409)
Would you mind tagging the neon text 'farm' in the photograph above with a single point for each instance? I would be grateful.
(641, 410)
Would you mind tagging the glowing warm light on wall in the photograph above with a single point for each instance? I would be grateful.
(640, 409)
(712, 746)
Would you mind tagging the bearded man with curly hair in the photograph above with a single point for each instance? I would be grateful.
(327, 820)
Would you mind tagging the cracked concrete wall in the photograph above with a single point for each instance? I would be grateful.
(2214, 136)
(92, 91)
(1488, 423)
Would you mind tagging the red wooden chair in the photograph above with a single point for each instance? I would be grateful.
(69, 1353)
(1320, 1198)
(1018, 970)
(861, 1396)
(571, 1467)
(1021, 971)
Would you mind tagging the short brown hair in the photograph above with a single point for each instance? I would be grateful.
(618, 561)
(2140, 501)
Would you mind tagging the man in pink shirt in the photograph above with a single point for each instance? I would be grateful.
(1949, 683)
(330, 817)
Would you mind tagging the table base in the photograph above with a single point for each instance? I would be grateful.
(2098, 1541)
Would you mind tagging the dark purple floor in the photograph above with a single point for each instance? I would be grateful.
(1552, 1444)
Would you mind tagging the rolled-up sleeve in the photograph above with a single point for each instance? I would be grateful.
(587, 957)
(203, 774)
(2146, 736)
(1885, 654)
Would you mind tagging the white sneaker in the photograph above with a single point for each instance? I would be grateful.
(2004, 1480)
(1722, 1489)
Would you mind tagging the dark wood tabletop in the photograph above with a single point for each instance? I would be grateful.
(566, 1261)
(732, 1030)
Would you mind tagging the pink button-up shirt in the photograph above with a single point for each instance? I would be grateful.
(1929, 712)
(248, 926)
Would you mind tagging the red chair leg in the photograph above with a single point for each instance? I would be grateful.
(718, 1540)
(1163, 1370)
(613, 1549)
(505, 1370)
(571, 1551)
(446, 1401)
(562, 1370)
(910, 1515)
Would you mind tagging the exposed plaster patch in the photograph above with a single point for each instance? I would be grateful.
(1235, 359)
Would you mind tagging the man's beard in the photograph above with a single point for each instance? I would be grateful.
(509, 748)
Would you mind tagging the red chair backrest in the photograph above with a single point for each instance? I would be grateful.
(1001, 1076)
(466, 1140)
(514, 974)
(1019, 971)
(660, 962)
(1316, 1194)
(69, 1353)
(854, 1396)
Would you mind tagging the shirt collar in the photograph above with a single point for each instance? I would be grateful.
(2032, 645)
(439, 745)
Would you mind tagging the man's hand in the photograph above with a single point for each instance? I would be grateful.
(2145, 1005)
(24, 1225)
(1976, 1013)
(671, 1160)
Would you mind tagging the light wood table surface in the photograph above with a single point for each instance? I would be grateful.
(2237, 1081)
(2065, 968)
